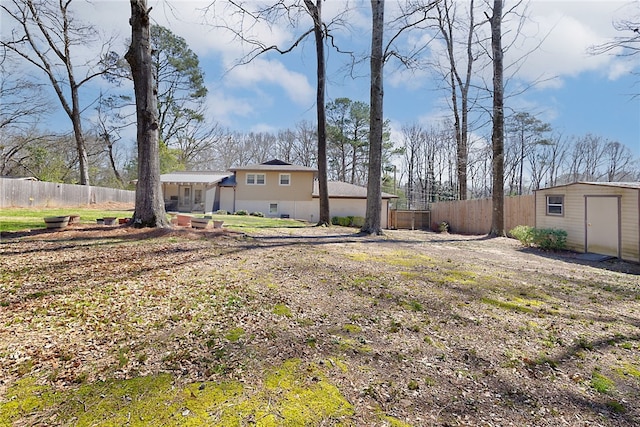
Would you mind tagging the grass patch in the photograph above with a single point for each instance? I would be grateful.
(627, 369)
(23, 219)
(235, 334)
(282, 310)
(507, 305)
(601, 383)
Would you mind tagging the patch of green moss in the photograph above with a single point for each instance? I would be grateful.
(601, 383)
(506, 305)
(281, 310)
(363, 281)
(351, 328)
(234, 334)
(410, 274)
(293, 395)
(398, 258)
(137, 401)
(630, 370)
(460, 277)
(338, 364)
(348, 344)
(26, 397)
(391, 421)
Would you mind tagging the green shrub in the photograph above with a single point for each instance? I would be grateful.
(358, 221)
(523, 233)
(258, 214)
(242, 212)
(221, 212)
(344, 221)
(543, 238)
(348, 221)
(550, 238)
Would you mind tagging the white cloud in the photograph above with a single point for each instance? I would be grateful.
(559, 33)
(224, 109)
(268, 72)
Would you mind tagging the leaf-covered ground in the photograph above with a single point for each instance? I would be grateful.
(312, 326)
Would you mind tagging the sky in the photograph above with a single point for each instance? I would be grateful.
(577, 93)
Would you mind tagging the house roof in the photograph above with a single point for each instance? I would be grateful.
(600, 184)
(194, 177)
(274, 165)
(344, 190)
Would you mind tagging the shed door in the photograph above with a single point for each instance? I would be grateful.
(603, 225)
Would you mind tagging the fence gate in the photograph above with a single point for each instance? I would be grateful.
(410, 220)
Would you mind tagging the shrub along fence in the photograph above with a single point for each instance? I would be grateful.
(474, 216)
(23, 194)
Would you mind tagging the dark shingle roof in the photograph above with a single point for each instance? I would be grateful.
(274, 165)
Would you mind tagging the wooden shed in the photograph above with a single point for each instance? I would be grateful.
(599, 217)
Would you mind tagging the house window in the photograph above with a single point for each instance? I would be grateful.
(285, 179)
(197, 196)
(255, 179)
(555, 205)
(273, 208)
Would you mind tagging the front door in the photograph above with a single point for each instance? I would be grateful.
(185, 198)
(603, 225)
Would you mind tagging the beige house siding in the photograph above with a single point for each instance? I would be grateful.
(304, 210)
(227, 199)
(357, 207)
(256, 195)
(574, 219)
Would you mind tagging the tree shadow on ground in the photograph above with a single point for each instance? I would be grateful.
(612, 264)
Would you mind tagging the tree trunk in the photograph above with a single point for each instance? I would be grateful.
(149, 210)
(497, 136)
(374, 191)
(323, 186)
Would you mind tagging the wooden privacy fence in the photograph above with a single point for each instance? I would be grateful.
(409, 220)
(20, 193)
(474, 216)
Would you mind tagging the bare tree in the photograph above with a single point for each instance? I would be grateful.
(497, 134)
(290, 12)
(408, 19)
(413, 137)
(306, 144)
(149, 210)
(617, 158)
(628, 42)
(458, 76)
(46, 33)
(23, 101)
(374, 190)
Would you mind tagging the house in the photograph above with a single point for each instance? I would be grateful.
(274, 188)
(599, 217)
(191, 191)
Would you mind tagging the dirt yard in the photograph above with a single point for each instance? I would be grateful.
(312, 326)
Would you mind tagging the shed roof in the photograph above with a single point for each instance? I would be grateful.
(345, 190)
(194, 177)
(274, 165)
(635, 185)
